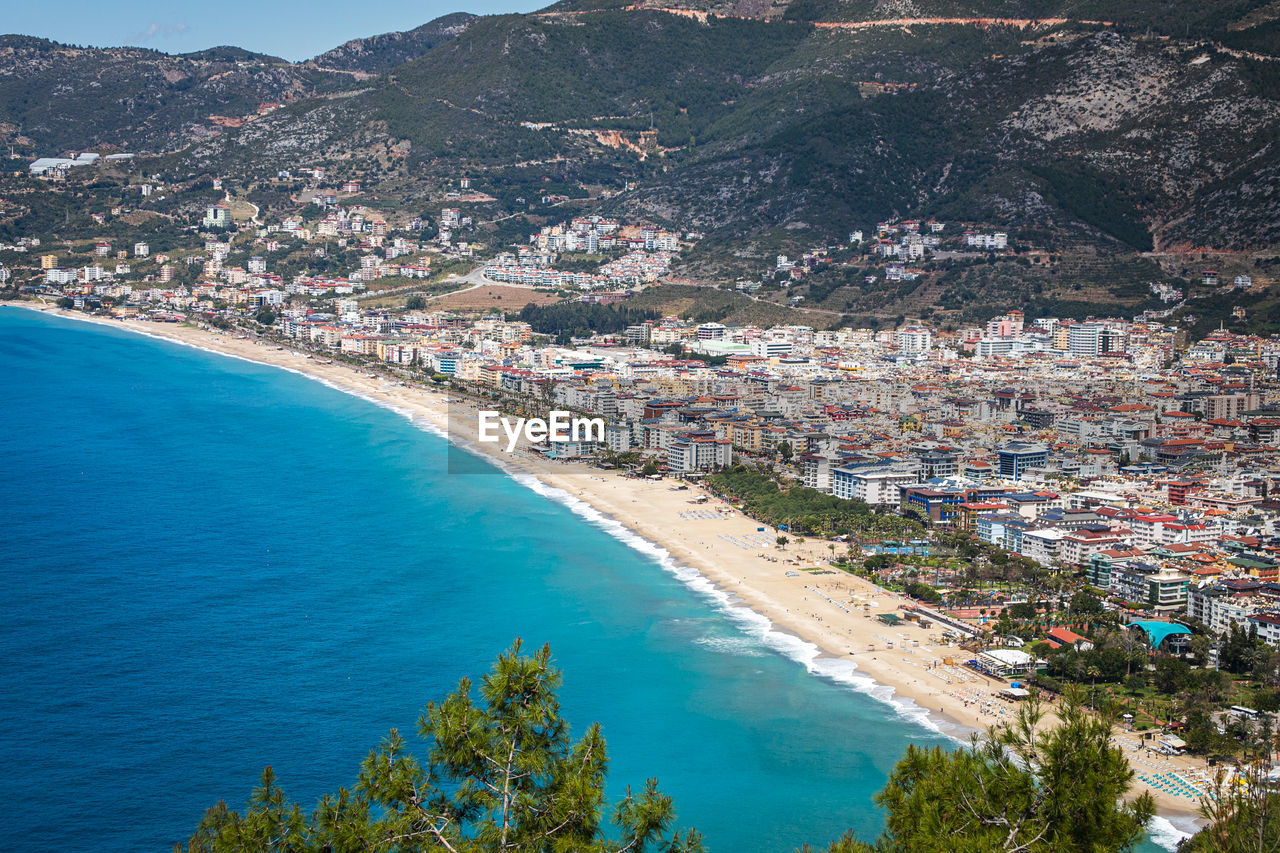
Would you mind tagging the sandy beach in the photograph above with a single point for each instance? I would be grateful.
(792, 588)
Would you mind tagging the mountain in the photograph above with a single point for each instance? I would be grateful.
(1123, 140)
(379, 54)
(55, 97)
(772, 121)
(232, 54)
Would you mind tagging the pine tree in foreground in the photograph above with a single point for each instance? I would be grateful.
(1242, 803)
(1022, 788)
(501, 775)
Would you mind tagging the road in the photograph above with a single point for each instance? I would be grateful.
(477, 280)
(256, 210)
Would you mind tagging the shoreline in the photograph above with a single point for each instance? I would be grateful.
(821, 618)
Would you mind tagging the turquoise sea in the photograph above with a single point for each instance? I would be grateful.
(211, 565)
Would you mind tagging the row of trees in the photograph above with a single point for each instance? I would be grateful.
(806, 510)
(582, 319)
(503, 775)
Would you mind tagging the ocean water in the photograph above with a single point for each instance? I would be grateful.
(211, 565)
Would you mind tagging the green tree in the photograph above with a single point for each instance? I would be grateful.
(1085, 604)
(804, 509)
(924, 592)
(1240, 651)
(1171, 674)
(1022, 788)
(502, 775)
(1024, 612)
(785, 451)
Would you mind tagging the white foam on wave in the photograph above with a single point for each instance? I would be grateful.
(754, 625)
(740, 645)
(1168, 832)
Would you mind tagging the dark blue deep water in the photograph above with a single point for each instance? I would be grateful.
(210, 566)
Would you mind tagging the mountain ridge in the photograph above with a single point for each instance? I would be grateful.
(378, 54)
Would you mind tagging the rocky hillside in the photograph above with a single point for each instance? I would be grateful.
(55, 97)
(379, 54)
(1148, 142)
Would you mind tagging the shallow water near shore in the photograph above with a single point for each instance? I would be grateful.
(213, 565)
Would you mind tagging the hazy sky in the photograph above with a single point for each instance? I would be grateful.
(287, 28)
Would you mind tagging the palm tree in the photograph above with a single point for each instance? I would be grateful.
(1094, 672)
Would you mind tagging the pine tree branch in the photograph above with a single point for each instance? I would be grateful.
(506, 793)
